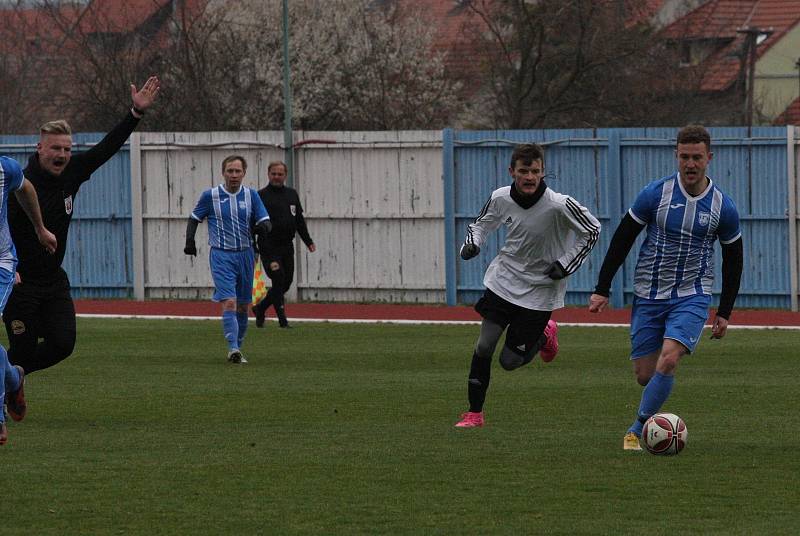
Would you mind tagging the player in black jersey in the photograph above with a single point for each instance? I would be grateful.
(41, 306)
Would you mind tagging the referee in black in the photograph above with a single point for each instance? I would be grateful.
(277, 247)
(40, 306)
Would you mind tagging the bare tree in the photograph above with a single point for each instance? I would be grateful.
(353, 66)
(574, 63)
(23, 56)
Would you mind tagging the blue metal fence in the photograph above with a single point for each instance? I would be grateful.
(604, 169)
(99, 252)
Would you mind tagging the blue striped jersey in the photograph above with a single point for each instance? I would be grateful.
(231, 217)
(677, 256)
(11, 178)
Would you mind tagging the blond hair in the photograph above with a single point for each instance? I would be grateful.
(59, 126)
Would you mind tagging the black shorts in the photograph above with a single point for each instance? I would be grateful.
(525, 326)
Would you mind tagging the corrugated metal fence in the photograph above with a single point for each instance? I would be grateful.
(604, 169)
(388, 210)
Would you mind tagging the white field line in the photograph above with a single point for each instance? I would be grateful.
(396, 321)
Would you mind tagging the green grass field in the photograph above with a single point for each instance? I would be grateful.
(348, 429)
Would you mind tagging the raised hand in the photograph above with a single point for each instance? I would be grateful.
(143, 98)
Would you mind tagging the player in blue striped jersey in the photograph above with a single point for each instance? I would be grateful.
(12, 378)
(684, 215)
(235, 214)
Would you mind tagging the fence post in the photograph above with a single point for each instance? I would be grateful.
(137, 231)
(448, 175)
(614, 184)
(792, 191)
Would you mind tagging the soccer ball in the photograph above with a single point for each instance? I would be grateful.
(664, 434)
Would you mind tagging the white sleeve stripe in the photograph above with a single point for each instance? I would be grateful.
(594, 233)
(732, 240)
(578, 260)
(470, 239)
(636, 218)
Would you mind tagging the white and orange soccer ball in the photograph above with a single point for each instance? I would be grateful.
(664, 434)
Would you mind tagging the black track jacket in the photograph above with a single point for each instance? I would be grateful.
(56, 201)
(286, 215)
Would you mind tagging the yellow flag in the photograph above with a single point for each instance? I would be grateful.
(259, 283)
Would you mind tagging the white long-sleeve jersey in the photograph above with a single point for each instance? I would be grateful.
(555, 228)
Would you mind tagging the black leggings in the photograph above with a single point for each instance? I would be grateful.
(36, 312)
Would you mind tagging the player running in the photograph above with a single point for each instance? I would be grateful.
(684, 214)
(12, 378)
(235, 213)
(549, 236)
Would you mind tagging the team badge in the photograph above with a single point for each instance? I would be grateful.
(68, 204)
(17, 327)
(703, 218)
(293, 210)
(509, 221)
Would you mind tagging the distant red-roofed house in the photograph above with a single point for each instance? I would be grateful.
(714, 38)
(791, 116)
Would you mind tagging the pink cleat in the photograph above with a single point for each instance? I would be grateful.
(550, 349)
(470, 419)
(3, 433)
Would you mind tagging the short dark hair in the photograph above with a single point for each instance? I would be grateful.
(527, 152)
(276, 163)
(233, 157)
(694, 134)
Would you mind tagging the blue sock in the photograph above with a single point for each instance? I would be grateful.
(230, 329)
(5, 374)
(242, 320)
(9, 375)
(654, 395)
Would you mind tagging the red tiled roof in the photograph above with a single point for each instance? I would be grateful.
(720, 20)
(790, 116)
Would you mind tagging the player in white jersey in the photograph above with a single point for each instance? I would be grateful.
(549, 236)
(684, 214)
(235, 213)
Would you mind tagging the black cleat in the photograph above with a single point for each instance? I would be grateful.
(260, 314)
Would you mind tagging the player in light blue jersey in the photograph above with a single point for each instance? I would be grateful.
(235, 215)
(12, 378)
(684, 215)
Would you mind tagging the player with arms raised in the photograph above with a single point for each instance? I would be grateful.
(684, 214)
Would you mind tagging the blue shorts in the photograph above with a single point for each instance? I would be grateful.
(680, 319)
(232, 272)
(6, 286)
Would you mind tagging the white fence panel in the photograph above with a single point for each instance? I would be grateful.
(372, 201)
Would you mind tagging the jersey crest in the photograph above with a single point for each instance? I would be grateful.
(68, 204)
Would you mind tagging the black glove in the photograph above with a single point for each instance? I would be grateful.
(556, 271)
(264, 228)
(469, 250)
(190, 248)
